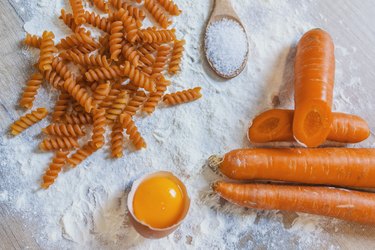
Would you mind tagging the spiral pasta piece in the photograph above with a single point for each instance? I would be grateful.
(155, 97)
(64, 130)
(157, 13)
(178, 50)
(99, 122)
(53, 78)
(28, 120)
(156, 36)
(130, 54)
(117, 140)
(184, 96)
(80, 118)
(78, 11)
(97, 21)
(47, 48)
(135, 12)
(118, 106)
(32, 41)
(89, 60)
(101, 5)
(31, 90)
(130, 25)
(61, 106)
(161, 60)
(68, 19)
(116, 39)
(103, 74)
(54, 168)
(81, 154)
(58, 143)
(110, 98)
(135, 103)
(78, 93)
(137, 77)
(59, 66)
(170, 7)
(135, 137)
(81, 39)
(101, 92)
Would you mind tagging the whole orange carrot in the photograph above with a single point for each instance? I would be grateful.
(338, 203)
(314, 71)
(276, 125)
(353, 167)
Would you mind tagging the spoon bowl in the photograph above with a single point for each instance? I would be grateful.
(223, 10)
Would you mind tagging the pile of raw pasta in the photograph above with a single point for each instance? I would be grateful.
(103, 83)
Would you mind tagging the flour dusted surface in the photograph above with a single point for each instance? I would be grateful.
(86, 207)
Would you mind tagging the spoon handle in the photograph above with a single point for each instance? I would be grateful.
(223, 7)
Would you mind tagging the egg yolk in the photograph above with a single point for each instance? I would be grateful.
(158, 202)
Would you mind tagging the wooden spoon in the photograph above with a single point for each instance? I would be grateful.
(223, 9)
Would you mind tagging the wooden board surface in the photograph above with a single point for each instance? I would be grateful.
(351, 21)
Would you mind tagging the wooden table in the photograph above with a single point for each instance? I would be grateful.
(351, 21)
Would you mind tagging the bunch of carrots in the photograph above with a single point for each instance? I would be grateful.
(307, 173)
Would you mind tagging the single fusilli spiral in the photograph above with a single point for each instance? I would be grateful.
(157, 13)
(97, 21)
(78, 11)
(155, 97)
(89, 60)
(79, 39)
(135, 103)
(81, 154)
(137, 77)
(32, 41)
(115, 39)
(118, 105)
(47, 48)
(64, 130)
(109, 99)
(99, 122)
(182, 96)
(101, 5)
(161, 59)
(117, 140)
(130, 54)
(129, 125)
(170, 6)
(101, 92)
(68, 19)
(61, 106)
(133, 11)
(78, 93)
(103, 74)
(54, 168)
(58, 143)
(178, 50)
(130, 27)
(79, 118)
(28, 120)
(157, 36)
(53, 78)
(30, 90)
(59, 66)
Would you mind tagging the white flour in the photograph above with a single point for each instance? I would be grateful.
(85, 208)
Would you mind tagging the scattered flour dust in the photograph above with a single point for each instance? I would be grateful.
(226, 46)
(86, 208)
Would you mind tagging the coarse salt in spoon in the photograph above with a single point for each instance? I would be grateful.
(225, 43)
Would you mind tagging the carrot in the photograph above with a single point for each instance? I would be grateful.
(314, 71)
(338, 203)
(276, 125)
(354, 167)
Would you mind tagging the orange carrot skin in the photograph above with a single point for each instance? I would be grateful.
(276, 125)
(338, 203)
(314, 72)
(354, 167)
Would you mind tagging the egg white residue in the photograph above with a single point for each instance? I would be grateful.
(86, 207)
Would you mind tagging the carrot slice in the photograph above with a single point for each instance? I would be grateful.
(276, 125)
(354, 167)
(338, 203)
(314, 72)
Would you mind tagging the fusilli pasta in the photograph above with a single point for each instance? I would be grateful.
(54, 168)
(58, 143)
(28, 120)
(31, 90)
(182, 96)
(128, 124)
(64, 130)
